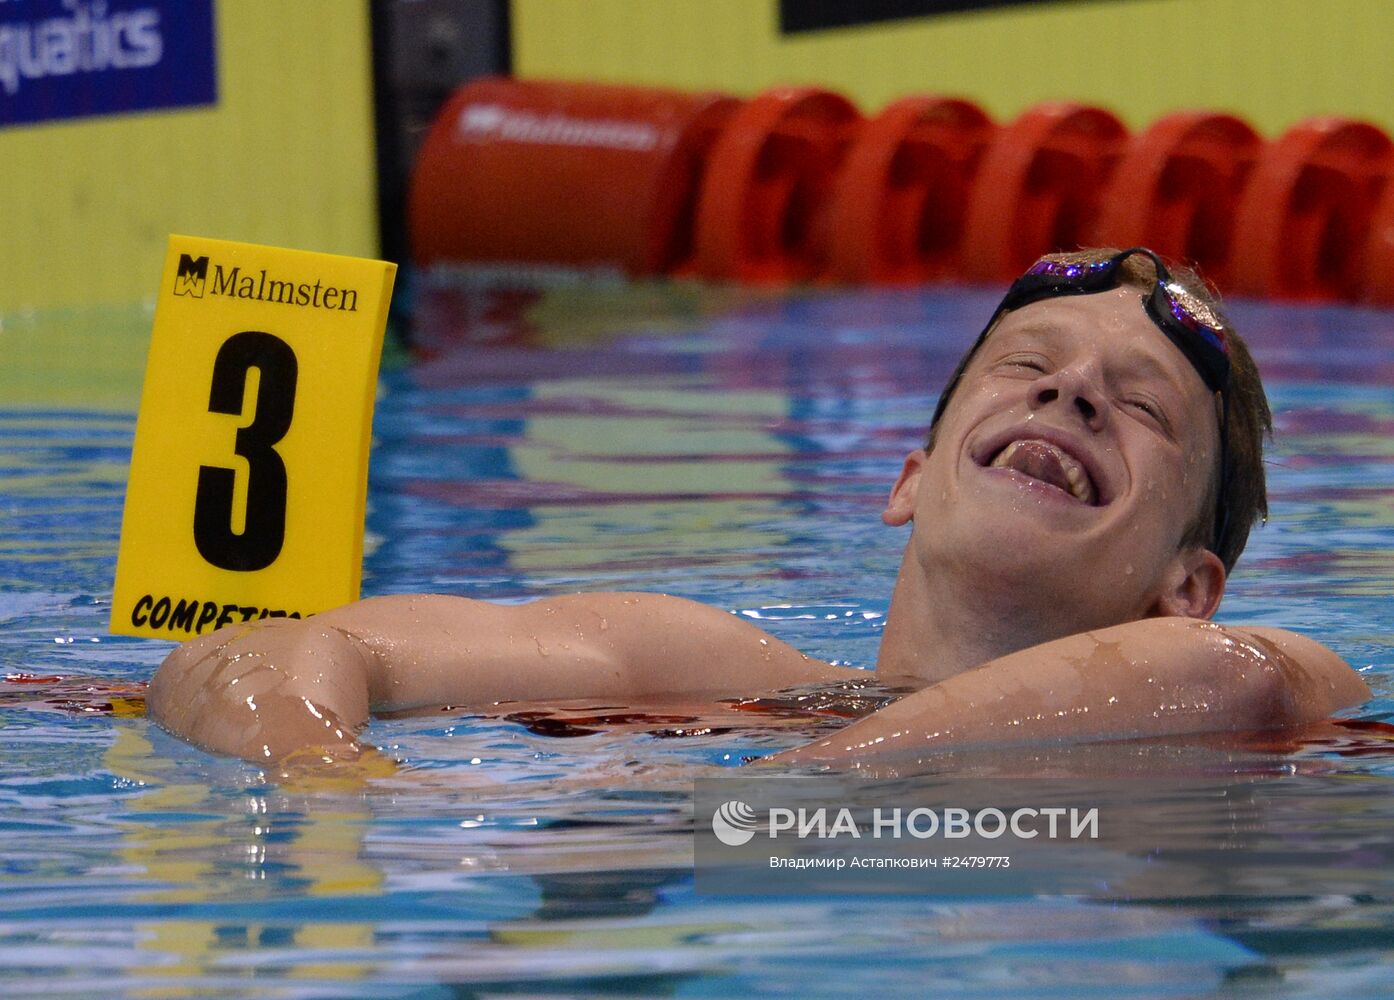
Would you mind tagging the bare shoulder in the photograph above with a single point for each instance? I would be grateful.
(1307, 662)
(1307, 668)
(264, 689)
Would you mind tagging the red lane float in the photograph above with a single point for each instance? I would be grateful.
(897, 213)
(795, 186)
(1176, 189)
(1038, 187)
(762, 210)
(1305, 216)
(1377, 284)
(525, 171)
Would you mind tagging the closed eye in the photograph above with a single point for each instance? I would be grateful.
(1025, 362)
(1152, 411)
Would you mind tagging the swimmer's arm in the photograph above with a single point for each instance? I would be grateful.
(436, 650)
(263, 691)
(1156, 677)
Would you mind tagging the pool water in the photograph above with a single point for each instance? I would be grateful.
(732, 450)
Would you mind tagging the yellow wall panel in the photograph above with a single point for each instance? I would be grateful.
(286, 157)
(1273, 61)
(87, 358)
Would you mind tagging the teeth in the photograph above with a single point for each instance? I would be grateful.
(1005, 455)
(1079, 482)
(1080, 487)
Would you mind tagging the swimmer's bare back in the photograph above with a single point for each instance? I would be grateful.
(262, 691)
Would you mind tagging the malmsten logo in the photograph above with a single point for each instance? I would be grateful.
(191, 276)
(192, 280)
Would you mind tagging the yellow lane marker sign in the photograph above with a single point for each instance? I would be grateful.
(250, 468)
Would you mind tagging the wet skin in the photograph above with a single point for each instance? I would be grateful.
(1044, 595)
(999, 559)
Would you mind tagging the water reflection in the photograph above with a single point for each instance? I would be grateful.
(733, 450)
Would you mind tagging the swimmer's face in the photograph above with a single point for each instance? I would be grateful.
(1076, 451)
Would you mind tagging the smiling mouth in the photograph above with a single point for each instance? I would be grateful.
(1049, 464)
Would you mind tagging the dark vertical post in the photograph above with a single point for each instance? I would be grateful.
(421, 51)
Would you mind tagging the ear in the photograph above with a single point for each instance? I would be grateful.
(900, 507)
(1193, 586)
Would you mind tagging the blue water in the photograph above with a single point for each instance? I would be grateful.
(736, 451)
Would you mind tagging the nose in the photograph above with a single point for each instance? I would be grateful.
(1075, 387)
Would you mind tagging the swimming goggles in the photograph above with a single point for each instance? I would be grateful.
(1188, 322)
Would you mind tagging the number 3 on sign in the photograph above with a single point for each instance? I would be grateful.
(259, 542)
(247, 486)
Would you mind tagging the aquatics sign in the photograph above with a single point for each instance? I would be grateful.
(248, 478)
(64, 59)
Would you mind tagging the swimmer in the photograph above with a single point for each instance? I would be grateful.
(1090, 478)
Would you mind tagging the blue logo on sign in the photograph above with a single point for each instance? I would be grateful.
(74, 58)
